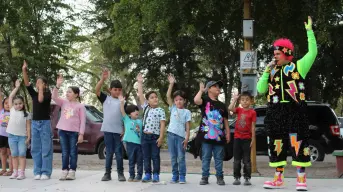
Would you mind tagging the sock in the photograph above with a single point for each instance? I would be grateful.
(280, 169)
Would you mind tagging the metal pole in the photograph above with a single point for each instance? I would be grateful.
(247, 47)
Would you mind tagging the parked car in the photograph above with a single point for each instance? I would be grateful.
(93, 138)
(340, 119)
(324, 131)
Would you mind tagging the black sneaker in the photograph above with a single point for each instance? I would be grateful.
(204, 181)
(237, 181)
(131, 179)
(220, 180)
(247, 182)
(106, 177)
(121, 177)
(138, 178)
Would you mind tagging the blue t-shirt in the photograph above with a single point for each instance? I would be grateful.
(133, 130)
(178, 120)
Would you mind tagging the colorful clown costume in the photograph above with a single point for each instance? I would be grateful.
(286, 117)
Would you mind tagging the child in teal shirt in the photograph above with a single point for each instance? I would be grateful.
(132, 138)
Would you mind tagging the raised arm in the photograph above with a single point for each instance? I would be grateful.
(104, 76)
(59, 101)
(197, 98)
(25, 75)
(13, 93)
(232, 106)
(171, 80)
(140, 89)
(122, 105)
(304, 64)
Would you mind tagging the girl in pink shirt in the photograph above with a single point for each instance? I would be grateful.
(71, 127)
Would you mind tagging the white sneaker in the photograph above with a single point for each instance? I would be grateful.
(37, 177)
(44, 177)
(64, 175)
(21, 175)
(14, 175)
(71, 175)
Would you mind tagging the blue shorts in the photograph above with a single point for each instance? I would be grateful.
(17, 145)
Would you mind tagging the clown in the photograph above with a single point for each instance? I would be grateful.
(286, 117)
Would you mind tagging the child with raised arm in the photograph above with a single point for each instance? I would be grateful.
(71, 127)
(178, 131)
(244, 133)
(112, 126)
(4, 147)
(154, 121)
(41, 138)
(19, 132)
(132, 138)
(214, 129)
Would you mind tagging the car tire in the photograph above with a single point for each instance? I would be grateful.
(317, 151)
(101, 150)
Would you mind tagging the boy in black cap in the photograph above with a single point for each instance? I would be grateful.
(214, 129)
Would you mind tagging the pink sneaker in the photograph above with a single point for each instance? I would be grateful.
(14, 175)
(277, 183)
(21, 175)
(301, 182)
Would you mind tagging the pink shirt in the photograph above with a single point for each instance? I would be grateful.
(73, 114)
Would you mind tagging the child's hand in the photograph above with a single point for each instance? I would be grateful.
(80, 139)
(121, 99)
(41, 86)
(159, 142)
(17, 83)
(252, 141)
(59, 80)
(185, 143)
(27, 142)
(235, 96)
(24, 68)
(228, 137)
(171, 79)
(140, 78)
(202, 87)
(105, 74)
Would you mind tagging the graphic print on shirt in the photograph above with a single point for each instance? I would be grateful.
(212, 123)
(242, 122)
(4, 119)
(68, 112)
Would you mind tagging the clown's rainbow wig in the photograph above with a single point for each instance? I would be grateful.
(283, 42)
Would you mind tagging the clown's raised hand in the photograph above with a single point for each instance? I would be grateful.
(308, 25)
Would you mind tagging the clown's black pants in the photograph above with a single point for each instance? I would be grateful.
(288, 131)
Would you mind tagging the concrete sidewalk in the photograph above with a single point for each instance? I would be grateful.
(90, 181)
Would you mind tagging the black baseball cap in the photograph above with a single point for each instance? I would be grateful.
(116, 84)
(212, 83)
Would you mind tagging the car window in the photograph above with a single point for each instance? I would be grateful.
(260, 115)
(321, 115)
(94, 114)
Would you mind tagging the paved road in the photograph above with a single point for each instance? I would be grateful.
(326, 169)
(89, 181)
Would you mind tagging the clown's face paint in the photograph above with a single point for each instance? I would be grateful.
(280, 58)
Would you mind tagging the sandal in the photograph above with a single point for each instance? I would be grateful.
(8, 173)
(2, 172)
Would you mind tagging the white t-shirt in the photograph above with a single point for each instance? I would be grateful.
(152, 119)
(17, 123)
